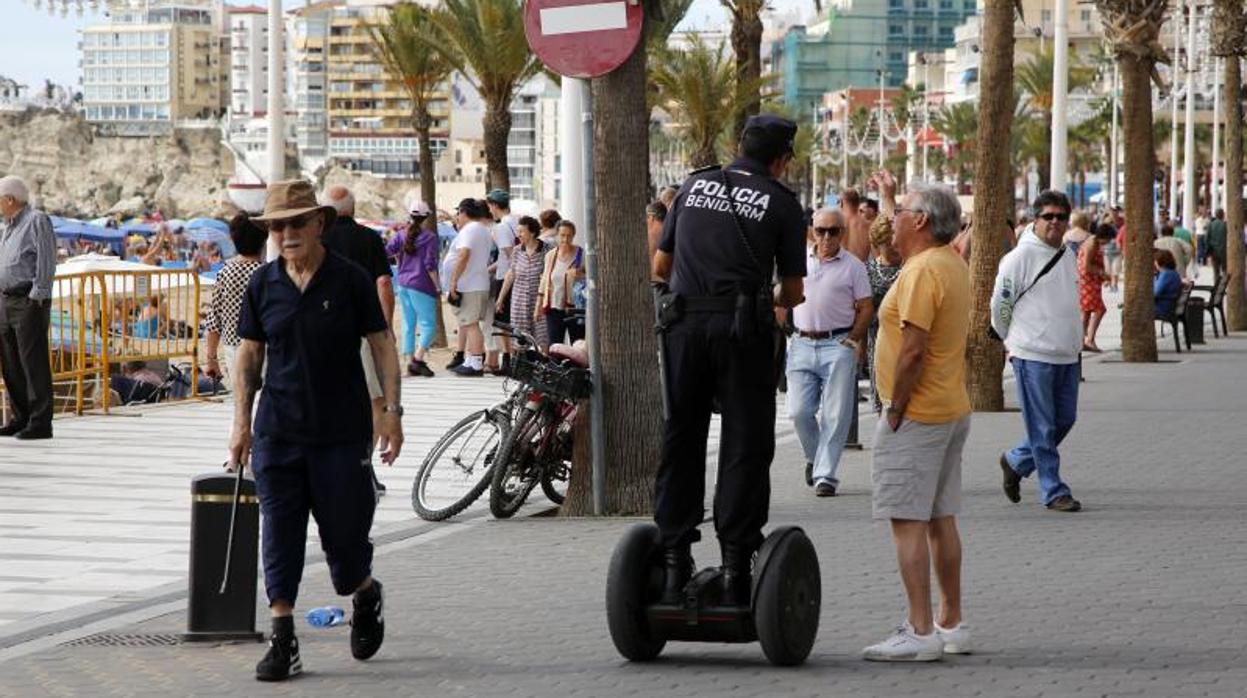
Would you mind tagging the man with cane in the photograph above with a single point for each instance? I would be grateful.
(307, 310)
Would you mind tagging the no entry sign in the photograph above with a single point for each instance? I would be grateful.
(583, 38)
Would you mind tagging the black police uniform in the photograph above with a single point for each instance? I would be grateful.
(707, 359)
(313, 426)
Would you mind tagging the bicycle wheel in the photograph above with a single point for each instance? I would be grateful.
(458, 468)
(558, 465)
(517, 472)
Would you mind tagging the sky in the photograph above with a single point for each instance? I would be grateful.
(45, 47)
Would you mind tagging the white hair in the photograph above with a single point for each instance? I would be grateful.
(829, 211)
(341, 199)
(15, 187)
(941, 206)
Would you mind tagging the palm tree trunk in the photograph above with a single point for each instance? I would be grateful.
(497, 131)
(746, 37)
(629, 381)
(1235, 302)
(1138, 335)
(993, 203)
(428, 193)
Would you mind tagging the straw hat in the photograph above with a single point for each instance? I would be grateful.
(291, 199)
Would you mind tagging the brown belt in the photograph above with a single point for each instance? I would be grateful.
(823, 335)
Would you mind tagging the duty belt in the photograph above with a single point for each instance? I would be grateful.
(709, 304)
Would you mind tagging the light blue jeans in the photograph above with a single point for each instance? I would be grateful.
(1048, 394)
(419, 310)
(822, 388)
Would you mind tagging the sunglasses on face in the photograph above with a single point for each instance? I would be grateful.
(298, 222)
(833, 230)
(1050, 217)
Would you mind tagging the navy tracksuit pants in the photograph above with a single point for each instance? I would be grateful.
(332, 482)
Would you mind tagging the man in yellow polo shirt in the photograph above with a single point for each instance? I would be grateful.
(916, 469)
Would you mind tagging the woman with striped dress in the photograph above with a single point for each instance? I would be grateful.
(522, 281)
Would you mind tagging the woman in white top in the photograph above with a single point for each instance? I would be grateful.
(562, 267)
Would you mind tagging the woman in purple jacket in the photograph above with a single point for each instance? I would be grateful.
(416, 251)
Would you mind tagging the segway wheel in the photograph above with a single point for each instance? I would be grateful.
(787, 597)
(633, 582)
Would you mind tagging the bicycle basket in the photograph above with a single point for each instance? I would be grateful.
(567, 382)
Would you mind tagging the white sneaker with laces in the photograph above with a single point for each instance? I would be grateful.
(956, 640)
(905, 645)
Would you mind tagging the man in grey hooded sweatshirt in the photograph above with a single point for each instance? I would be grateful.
(1035, 310)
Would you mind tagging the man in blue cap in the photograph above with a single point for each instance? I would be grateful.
(728, 234)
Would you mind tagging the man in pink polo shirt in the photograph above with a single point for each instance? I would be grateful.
(826, 350)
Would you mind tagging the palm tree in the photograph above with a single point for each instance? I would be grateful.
(484, 41)
(1085, 154)
(421, 70)
(746, 38)
(1228, 39)
(1132, 28)
(958, 124)
(993, 202)
(628, 384)
(698, 87)
(1034, 77)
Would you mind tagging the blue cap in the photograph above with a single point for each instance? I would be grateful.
(774, 128)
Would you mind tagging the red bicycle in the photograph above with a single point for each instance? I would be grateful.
(538, 448)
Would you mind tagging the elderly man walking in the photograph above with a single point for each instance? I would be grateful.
(1035, 309)
(826, 350)
(920, 364)
(27, 265)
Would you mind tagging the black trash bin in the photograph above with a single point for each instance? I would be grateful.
(210, 615)
(1194, 324)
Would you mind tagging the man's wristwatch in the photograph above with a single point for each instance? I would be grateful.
(396, 410)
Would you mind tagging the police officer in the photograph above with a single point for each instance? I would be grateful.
(308, 310)
(727, 235)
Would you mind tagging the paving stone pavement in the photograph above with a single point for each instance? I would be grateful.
(1141, 594)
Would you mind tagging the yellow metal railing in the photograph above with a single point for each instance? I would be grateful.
(103, 318)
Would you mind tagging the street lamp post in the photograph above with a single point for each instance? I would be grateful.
(276, 96)
(1112, 142)
(881, 87)
(1214, 197)
(1188, 129)
(1173, 118)
(926, 109)
(1060, 86)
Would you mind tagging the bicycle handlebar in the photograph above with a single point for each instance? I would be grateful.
(524, 339)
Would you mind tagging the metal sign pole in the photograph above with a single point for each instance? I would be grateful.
(597, 429)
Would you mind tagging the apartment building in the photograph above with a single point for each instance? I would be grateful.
(152, 64)
(307, 37)
(247, 29)
(368, 112)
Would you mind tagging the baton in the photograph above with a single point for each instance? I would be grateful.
(233, 514)
(661, 335)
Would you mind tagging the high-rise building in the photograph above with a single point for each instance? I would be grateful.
(151, 65)
(531, 143)
(859, 42)
(368, 110)
(248, 59)
(307, 34)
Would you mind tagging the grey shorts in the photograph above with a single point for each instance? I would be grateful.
(472, 307)
(916, 470)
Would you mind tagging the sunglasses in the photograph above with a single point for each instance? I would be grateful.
(833, 230)
(1062, 217)
(296, 222)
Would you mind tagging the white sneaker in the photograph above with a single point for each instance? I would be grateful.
(956, 640)
(906, 646)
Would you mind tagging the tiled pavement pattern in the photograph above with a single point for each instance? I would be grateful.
(1141, 594)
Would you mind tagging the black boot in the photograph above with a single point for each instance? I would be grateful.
(458, 360)
(679, 565)
(737, 575)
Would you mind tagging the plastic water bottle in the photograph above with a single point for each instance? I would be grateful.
(325, 617)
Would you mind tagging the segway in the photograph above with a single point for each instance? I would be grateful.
(785, 600)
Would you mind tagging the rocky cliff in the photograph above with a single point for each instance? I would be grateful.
(74, 172)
